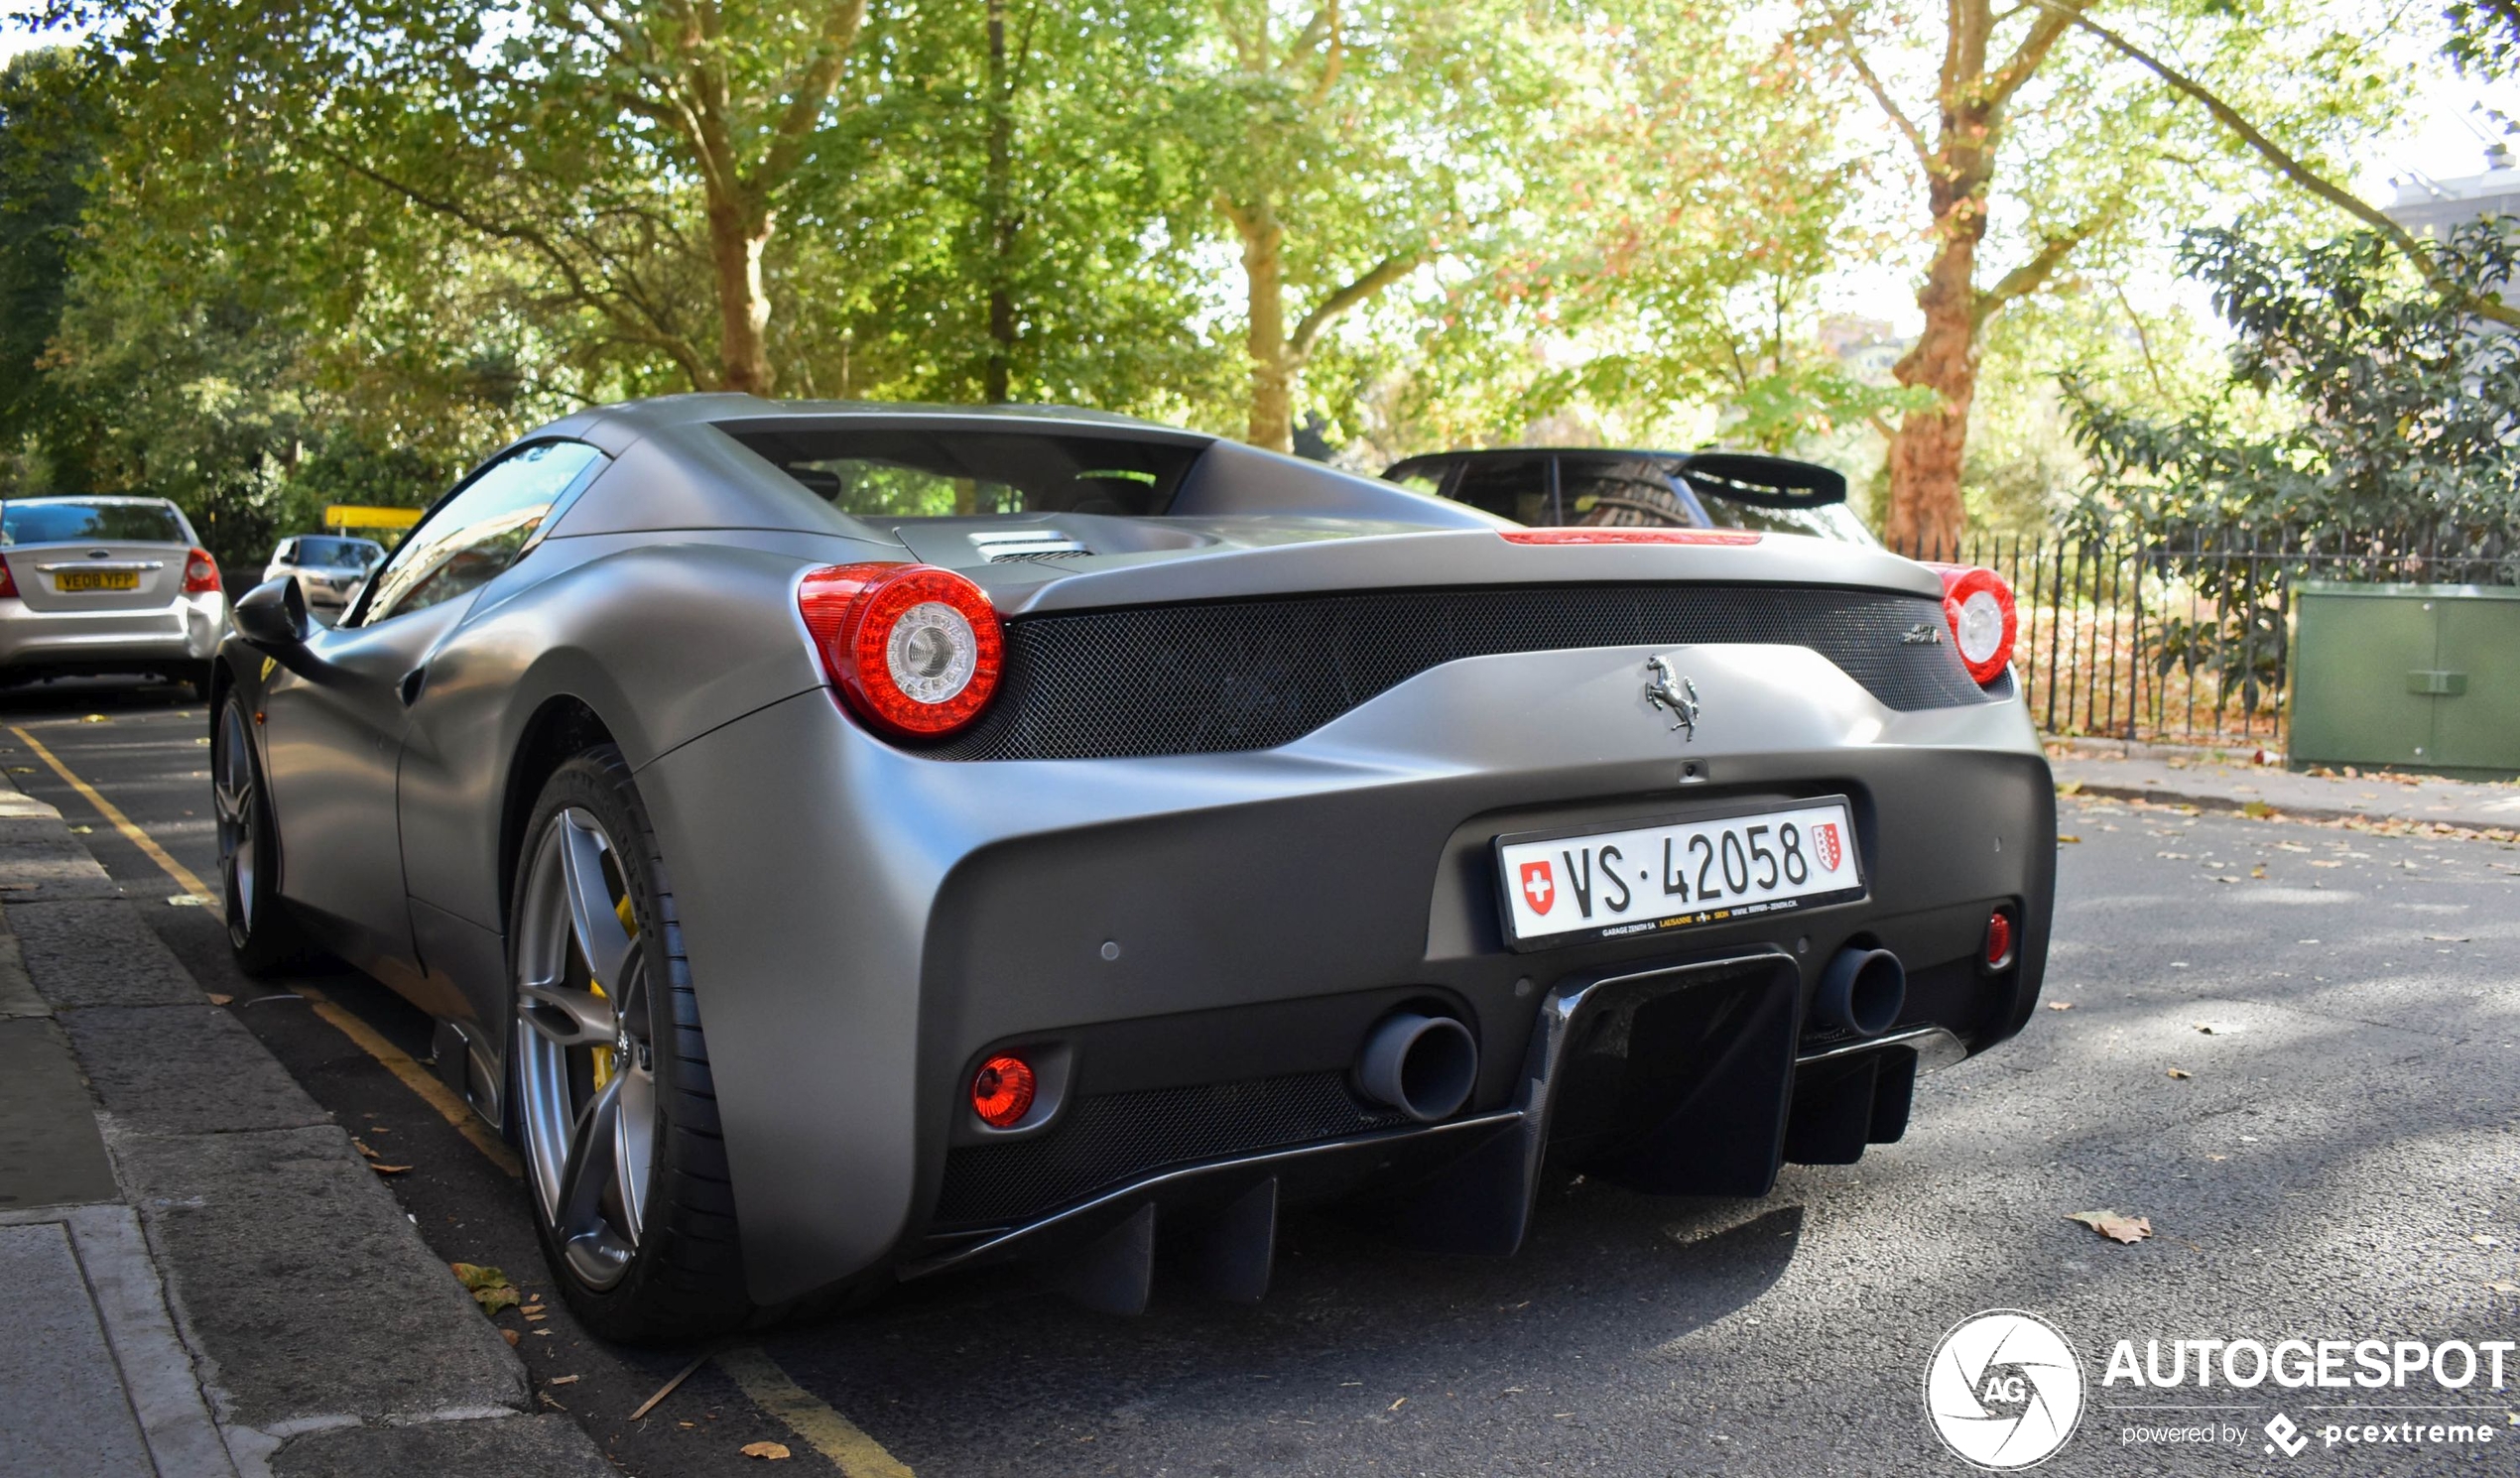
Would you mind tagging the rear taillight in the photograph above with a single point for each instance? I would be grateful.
(1629, 536)
(200, 575)
(914, 651)
(7, 582)
(1998, 945)
(1984, 618)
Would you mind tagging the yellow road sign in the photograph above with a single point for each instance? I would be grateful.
(366, 515)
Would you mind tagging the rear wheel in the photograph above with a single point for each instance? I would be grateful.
(614, 1102)
(260, 931)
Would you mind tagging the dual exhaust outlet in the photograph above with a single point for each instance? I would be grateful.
(1426, 1066)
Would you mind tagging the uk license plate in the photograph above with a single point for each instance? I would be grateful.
(97, 579)
(1654, 877)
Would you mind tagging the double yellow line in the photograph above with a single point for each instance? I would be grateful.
(763, 1382)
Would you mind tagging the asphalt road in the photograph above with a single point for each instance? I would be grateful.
(2334, 1159)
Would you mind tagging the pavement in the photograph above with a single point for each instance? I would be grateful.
(2294, 1048)
(2222, 779)
(200, 1274)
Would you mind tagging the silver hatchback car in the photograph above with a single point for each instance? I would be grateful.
(105, 584)
(329, 570)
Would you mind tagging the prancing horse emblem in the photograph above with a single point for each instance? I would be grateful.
(1682, 701)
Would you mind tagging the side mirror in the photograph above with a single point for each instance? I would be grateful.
(273, 616)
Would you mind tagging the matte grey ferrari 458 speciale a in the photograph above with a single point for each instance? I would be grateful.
(841, 844)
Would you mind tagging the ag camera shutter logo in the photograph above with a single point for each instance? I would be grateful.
(2003, 1390)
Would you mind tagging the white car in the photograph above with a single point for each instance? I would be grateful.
(329, 568)
(105, 584)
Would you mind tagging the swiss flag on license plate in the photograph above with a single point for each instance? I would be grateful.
(1539, 889)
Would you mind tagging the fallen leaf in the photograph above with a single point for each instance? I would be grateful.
(20, 769)
(2226, 878)
(2114, 1225)
(2173, 856)
(84, 830)
(2181, 1073)
(1397, 1405)
(2317, 862)
(360, 1144)
(96, 718)
(186, 901)
(2206, 1027)
(393, 1169)
(2060, 1005)
(510, 1337)
(2481, 1240)
(562, 1381)
(2218, 1156)
(2064, 841)
(2257, 872)
(220, 999)
(2504, 1288)
(767, 1451)
(490, 1285)
(2257, 810)
(2448, 939)
(2071, 788)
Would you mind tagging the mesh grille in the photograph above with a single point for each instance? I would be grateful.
(1254, 675)
(1119, 1137)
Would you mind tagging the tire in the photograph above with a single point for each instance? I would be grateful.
(261, 932)
(640, 1257)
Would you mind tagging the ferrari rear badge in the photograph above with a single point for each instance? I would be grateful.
(1680, 702)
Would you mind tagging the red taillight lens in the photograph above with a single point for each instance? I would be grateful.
(7, 582)
(200, 575)
(1998, 939)
(1982, 615)
(1002, 1091)
(1630, 536)
(914, 651)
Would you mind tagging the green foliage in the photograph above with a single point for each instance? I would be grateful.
(50, 116)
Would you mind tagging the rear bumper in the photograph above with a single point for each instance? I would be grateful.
(864, 924)
(182, 632)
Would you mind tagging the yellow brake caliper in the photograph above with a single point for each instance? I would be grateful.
(603, 1055)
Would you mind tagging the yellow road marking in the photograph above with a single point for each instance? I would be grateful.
(419, 1080)
(391, 1057)
(122, 823)
(826, 1430)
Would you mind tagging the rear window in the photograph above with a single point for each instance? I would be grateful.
(1828, 521)
(874, 472)
(68, 521)
(337, 553)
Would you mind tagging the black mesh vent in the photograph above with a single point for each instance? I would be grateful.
(1254, 675)
(1119, 1137)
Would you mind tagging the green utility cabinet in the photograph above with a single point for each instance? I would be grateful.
(2417, 676)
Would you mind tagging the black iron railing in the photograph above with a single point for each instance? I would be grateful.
(2182, 635)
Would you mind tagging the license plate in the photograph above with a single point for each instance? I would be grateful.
(1654, 877)
(97, 579)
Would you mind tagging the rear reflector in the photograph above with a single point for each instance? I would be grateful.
(1002, 1091)
(1998, 940)
(1630, 536)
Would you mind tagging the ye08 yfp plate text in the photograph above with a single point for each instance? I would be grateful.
(1654, 877)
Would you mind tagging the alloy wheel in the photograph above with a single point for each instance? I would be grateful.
(585, 1069)
(237, 802)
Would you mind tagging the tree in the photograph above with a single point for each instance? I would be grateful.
(50, 119)
(619, 153)
(1347, 149)
(2051, 146)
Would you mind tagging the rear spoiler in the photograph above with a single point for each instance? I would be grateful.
(1761, 481)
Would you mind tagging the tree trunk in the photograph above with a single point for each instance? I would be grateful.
(1272, 367)
(1926, 455)
(997, 371)
(736, 236)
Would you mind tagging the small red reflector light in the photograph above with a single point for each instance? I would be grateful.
(1630, 536)
(1998, 939)
(200, 575)
(1002, 1091)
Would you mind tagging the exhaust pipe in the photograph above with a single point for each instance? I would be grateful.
(1862, 991)
(1423, 1066)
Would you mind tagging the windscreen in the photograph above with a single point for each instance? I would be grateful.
(67, 521)
(890, 472)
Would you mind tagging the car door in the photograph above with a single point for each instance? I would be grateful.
(334, 725)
